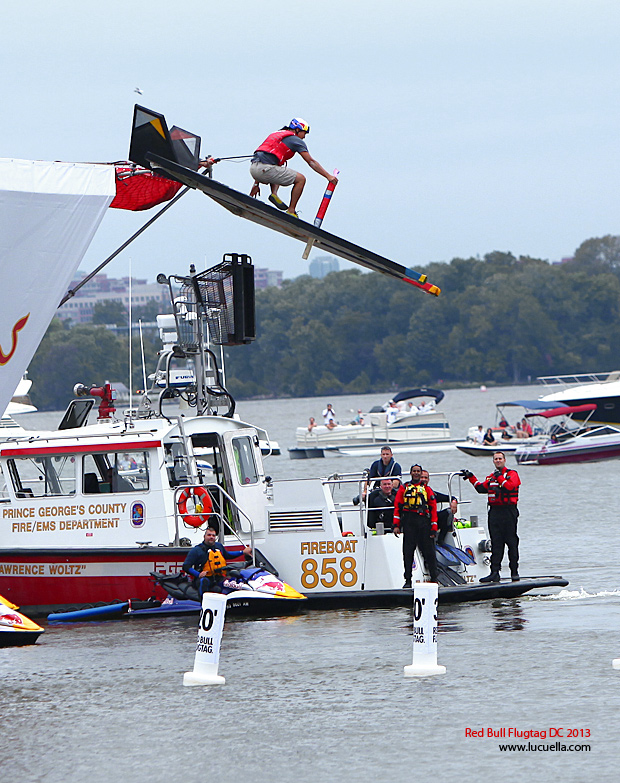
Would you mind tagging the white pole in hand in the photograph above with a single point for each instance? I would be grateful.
(424, 632)
(210, 629)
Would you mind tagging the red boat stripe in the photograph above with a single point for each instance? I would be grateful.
(94, 447)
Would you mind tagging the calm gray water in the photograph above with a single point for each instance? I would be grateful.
(322, 696)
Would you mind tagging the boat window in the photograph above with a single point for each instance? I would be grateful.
(594, 433)
(115, 471)
(4, 492)
(243, 451)
(42, 476)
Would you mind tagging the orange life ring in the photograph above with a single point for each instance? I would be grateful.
(204, 500)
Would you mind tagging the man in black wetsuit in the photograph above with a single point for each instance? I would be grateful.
(381, 505)
(445, 517)
(381, 468)
(386, 466)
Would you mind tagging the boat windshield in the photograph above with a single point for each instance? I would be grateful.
(43, 475)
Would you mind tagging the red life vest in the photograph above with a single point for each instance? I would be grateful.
(501, 495)
(274, 144)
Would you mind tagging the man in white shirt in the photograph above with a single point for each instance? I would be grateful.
(329, 414)
(392, 412)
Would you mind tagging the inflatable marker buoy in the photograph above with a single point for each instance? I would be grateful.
(203, 507)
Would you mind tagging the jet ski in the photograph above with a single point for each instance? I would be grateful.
(250, 591)
(16, 629)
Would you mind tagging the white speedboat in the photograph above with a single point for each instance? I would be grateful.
(602, 389)
(20, 403)
(568, 443)
(90, 510)
(399, 423)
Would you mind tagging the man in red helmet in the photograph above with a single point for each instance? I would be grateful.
(269, 167)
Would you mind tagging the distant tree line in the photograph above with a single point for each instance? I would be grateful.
(499, 319)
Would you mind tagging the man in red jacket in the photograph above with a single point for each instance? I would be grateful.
(415, 511)
(269, 167)
(502, 487)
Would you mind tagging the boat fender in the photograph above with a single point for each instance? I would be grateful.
(202, 503)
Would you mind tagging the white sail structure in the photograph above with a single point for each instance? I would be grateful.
(49, 213)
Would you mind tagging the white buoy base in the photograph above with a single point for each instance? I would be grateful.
(616, 663)
(194, 678)
(414, 670)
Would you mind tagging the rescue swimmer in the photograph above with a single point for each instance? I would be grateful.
(268, 165)
(415, 511)
(502, 487)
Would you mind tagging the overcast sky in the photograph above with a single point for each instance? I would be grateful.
(459, 126)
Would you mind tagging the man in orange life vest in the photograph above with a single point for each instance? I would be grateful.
(202, 565)
(415, 511)
(268, 165)
(502, 487)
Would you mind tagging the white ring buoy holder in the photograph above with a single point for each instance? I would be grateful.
(202, 503)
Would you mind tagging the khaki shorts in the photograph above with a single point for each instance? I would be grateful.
(268, 174)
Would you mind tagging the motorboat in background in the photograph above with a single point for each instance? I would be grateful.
(602, 389)
(566, 443)
(399, 423)
(508, 438)
(20, 403)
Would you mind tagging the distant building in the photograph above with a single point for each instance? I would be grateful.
(323, 265)
(267, 278)
(103, 288)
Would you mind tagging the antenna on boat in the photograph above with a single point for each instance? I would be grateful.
(129, 313)
(142, 351)
(214, 307)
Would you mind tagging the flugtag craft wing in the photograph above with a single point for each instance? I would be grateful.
(247, 207)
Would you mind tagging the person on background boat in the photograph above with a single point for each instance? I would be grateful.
(207, 561)
(503, 423)
(489, 438)
(415, 511)
(381, 505)
(479, 435)
(311, 424)
(359, 419)
(502, 487)
(268, 166)
(329, 414)
(527, 428)
(331, 424)
(520, 432)
(392, 412)
(445, 517)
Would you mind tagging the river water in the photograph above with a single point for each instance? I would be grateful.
(321, 696)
